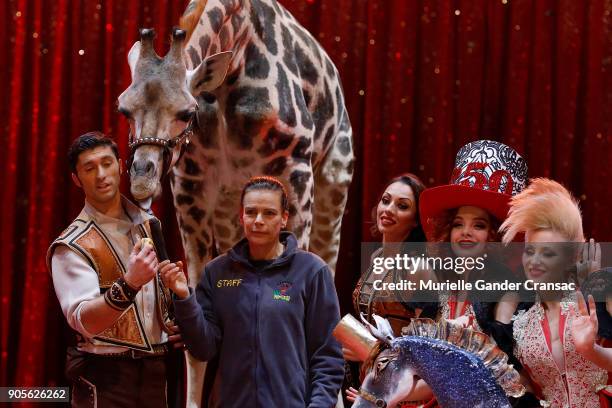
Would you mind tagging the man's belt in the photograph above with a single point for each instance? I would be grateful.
(159, 350)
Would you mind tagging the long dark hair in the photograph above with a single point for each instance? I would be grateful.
(416, 234)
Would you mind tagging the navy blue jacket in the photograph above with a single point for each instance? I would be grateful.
(271, 329)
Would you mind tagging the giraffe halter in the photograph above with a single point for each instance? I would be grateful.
(173, 148)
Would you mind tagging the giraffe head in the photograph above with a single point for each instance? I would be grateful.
(160, 105)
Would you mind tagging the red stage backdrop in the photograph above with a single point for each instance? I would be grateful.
(421, 78)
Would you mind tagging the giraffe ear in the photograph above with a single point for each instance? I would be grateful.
(210, 74)
(133, 56)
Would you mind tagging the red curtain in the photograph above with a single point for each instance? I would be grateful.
(421, 78)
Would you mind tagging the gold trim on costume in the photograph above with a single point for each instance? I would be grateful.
(88, 240)
(127, 331)
(106, 262)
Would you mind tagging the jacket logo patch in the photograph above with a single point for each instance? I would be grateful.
(225, 283)
(281, 292)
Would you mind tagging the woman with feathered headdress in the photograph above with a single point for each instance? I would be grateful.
(554, 339)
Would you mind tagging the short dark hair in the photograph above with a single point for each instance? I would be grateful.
(266, 183)
(416, 185)
(88, 141)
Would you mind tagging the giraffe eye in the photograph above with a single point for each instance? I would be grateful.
(185, 116)
(125, 112)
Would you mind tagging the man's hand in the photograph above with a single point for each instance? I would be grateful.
(174, 278)
(176, 339)
(142, 265)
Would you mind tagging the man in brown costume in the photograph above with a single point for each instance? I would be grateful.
(105, 279)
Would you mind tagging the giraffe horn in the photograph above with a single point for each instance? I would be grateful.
(176, 48)
(147, 35)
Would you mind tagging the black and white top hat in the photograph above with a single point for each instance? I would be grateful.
(486, 175)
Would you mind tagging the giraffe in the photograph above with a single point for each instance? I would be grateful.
(260, 96)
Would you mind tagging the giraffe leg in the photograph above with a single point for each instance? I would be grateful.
(300, 191)
(195, 368)
(222, 223)
(332, 181)
(226, 224)
(195, 223)
(331, 184)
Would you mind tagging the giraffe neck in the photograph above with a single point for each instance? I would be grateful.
(222, 26)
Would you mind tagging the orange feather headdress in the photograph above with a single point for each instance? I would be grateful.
(545, 204)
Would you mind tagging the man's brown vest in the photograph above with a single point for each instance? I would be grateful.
(88, 240)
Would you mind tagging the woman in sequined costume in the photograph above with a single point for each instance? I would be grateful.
(469, 229)
(556, 339)
(462, 218)
(396, 219)
(467, 213)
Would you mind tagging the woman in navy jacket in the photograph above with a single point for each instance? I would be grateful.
(266, 309)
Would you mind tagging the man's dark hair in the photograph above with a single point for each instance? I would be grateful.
(88, 141)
